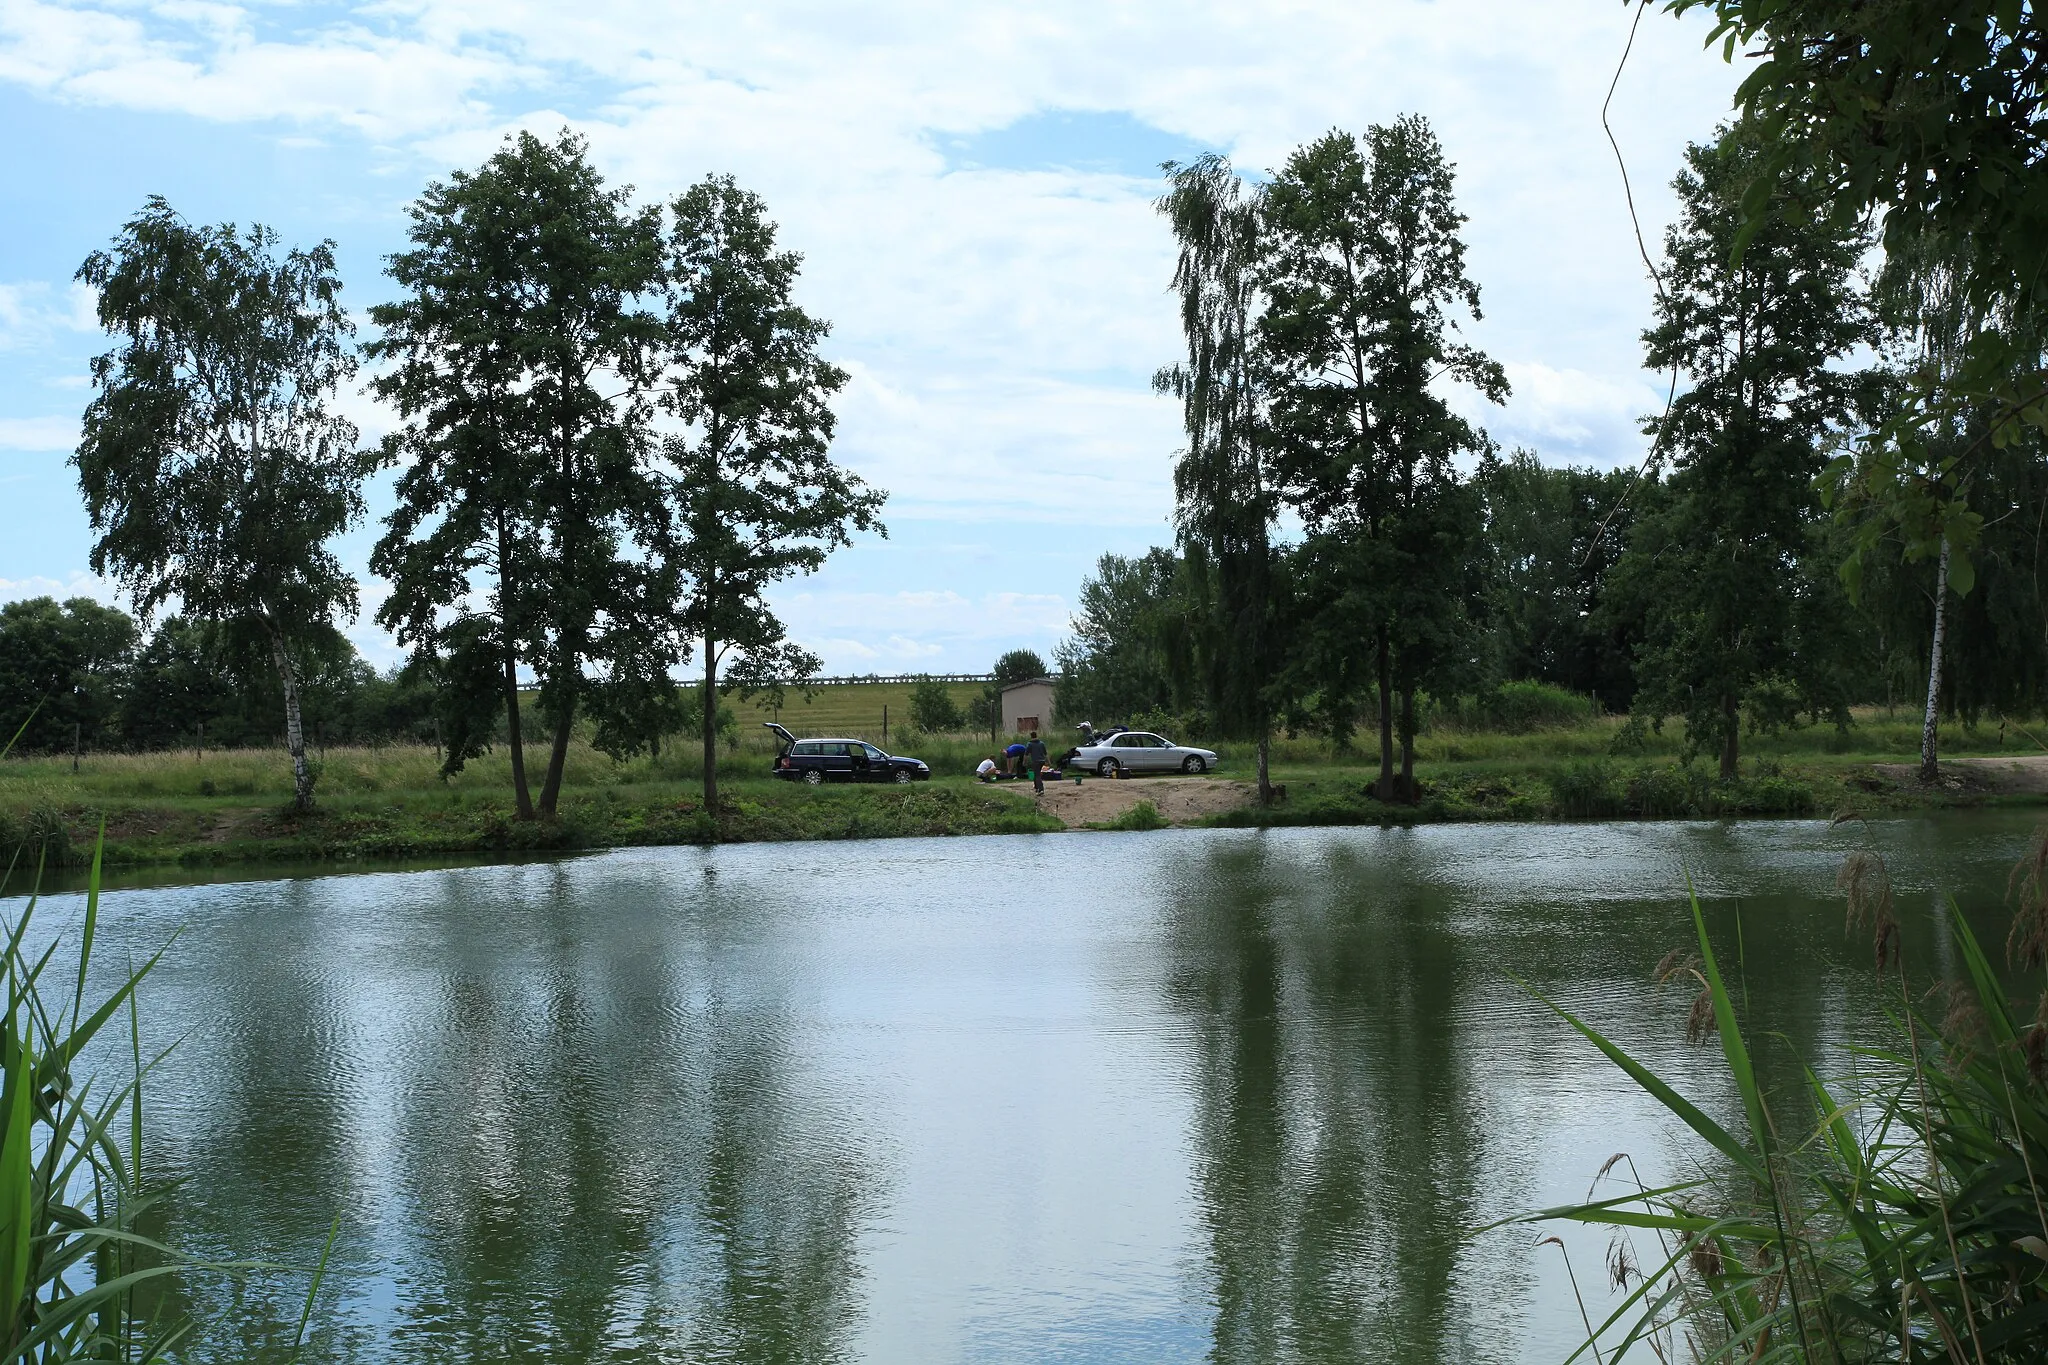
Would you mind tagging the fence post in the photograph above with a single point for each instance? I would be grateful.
(885, 722)
(74, 746)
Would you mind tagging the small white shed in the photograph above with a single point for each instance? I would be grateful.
(1027, 706)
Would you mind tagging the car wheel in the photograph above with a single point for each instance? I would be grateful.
(1193, 765)
(902, 778)
(813, 777)
(1106, 768)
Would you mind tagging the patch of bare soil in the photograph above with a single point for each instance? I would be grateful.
(232, 824)
(2023, 776)
(1179, 799)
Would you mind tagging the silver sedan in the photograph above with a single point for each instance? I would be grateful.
(1134, 751)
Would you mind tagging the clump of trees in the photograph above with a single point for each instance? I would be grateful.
(615, 433)
(94, 679)
(1805, 534)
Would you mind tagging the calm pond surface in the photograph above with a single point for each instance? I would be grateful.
(1176, 1096)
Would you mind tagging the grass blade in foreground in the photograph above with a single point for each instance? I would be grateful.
(1908, 1225)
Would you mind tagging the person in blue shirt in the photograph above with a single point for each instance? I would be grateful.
(1013, 759)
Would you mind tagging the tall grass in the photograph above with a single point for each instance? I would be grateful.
(1902, 1216)
(72, 1264)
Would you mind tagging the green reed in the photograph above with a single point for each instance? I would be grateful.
(1901, 1217)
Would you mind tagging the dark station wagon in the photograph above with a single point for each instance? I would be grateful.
(817, 761)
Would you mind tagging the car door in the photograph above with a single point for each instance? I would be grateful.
(1130, 752)
(838, 765)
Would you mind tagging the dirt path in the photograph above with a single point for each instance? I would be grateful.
(1179, 799)
(2021, 776)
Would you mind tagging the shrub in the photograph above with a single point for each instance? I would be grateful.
(1518, 708)
(932, 709)
(1143, 815)
(1586, 789)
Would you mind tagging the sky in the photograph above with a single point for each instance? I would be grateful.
(971, 187)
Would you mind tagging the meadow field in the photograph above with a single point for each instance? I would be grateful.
(392, 802)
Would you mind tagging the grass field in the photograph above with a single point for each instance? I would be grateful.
(230, 806)
(852, 710)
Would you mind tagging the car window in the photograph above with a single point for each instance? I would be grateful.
(873, 752)
(1128, 742)
(807, 748)
(1148, 742)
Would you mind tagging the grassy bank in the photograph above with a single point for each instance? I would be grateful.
(230, 806)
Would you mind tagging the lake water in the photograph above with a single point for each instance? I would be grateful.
(1175, 1096)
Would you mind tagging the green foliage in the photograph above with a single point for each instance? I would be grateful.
(752, 497)
(1517, 708)
(932, 709)
(516, 352)
(1019, 665)
(1723, 575)
(1366, 283)
(1552, 538)
(1902, 1218)
(1921, 115)
(1128, 653)
(75, 1268)
(1141, 816)
(1228, 648)
(214, 473)
(73, 660)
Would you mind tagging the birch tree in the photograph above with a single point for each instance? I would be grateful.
(1224, 498)
(214, 470)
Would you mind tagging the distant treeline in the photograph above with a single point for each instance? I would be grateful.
(91, 677)
(1557, 597)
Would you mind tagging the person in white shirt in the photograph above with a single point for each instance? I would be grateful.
(987, 771)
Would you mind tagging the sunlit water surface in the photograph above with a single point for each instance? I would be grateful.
(1191, 1095)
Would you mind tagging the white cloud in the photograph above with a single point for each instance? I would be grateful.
(38, 433)
(999, 322)
(78, 583)
(35, 312)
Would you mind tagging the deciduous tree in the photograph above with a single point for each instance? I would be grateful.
(214, 471)
(519, 360)
(1225, 499)
(753, 494)
(1366, 279)
(1735, 617)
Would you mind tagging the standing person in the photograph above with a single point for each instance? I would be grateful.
(1034, 762)
(1013, 759)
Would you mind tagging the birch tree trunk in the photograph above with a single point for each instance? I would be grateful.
(294, 724)
(1930, 766)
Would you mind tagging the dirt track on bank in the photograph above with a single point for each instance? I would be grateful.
(2020, 776)
(1180, 799)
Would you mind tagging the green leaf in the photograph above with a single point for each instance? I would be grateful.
(1962, 575)
(1682, 1108)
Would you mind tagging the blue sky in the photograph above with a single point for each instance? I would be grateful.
(970, 187)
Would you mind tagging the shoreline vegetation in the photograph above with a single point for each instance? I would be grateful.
(228, 807)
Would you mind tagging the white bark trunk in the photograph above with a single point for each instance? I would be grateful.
(1930, 768)
(294, 727)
